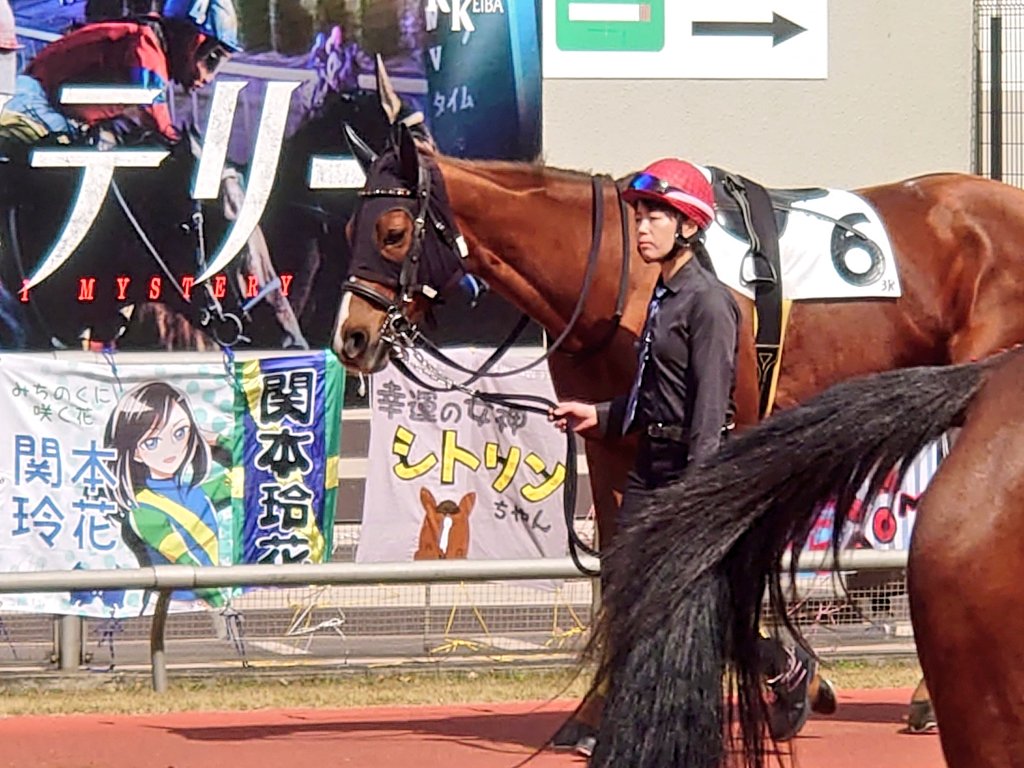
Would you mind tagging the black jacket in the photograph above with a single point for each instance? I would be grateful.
(690, 373)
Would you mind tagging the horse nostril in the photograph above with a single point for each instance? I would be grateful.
(355, 344)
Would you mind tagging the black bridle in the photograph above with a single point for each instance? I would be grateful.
(397, 328)
(403, 336)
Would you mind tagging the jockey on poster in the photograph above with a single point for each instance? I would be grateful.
(185, 44)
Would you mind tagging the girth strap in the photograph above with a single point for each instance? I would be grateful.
(759, 220)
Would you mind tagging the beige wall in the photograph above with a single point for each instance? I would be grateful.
(897, 102)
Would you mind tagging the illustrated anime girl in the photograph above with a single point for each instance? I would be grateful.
(165, 499)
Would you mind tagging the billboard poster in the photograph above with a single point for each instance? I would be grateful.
(176, 173)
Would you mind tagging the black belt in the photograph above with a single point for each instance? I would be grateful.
(661, 431)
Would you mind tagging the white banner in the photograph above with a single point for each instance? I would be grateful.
(453, 477)
(887, 521)
(95, 461)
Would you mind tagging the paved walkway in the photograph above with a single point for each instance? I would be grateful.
(865, 733)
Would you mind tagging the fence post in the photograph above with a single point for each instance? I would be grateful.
(69, 651)
(158, 661)
(996, 99)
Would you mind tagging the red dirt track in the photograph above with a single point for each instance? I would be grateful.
(864, 733)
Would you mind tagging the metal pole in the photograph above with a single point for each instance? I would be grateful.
(70, 649)
(595, 582)
(171, 577)
(979, 107)
(426, 618)
(156, 642)
(996, 96)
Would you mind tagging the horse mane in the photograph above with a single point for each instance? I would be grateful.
(515, 174)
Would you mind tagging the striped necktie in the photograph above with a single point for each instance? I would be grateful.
(645, 353)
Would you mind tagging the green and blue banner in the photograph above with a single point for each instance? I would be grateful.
(286, 455)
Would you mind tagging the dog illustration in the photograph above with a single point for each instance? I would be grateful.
(445, 531)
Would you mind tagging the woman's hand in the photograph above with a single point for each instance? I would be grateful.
(581, 418)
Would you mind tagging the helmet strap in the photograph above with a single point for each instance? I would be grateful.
(682, 241)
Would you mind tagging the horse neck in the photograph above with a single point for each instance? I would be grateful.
(529, 230)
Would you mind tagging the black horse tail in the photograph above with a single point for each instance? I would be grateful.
(684, 581)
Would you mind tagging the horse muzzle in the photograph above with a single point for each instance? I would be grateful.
(361, 350)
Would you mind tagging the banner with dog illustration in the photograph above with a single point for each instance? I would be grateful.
(126, 466)
(453, 477)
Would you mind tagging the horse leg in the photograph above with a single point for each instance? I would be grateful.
(259, 263)
(921, 718)
(261, 266)
(608, 466)
(964, 577)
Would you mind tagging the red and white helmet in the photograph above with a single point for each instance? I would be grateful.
(678, 184)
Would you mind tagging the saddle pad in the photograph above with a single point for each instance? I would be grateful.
(821, 257)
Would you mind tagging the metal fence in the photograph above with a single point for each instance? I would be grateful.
(410, 624)
(407, 614)
(999, 90)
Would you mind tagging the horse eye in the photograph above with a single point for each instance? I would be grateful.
(394, 236)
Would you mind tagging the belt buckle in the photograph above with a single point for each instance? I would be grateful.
(658, 430)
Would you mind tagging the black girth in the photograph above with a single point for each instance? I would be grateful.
(758, 216)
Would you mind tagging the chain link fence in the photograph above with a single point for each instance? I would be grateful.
(999, 90)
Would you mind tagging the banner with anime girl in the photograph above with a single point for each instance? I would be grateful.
(129, 466)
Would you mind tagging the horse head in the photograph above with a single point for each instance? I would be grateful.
(405, 247)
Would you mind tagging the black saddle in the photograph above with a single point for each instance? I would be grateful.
(728, 212)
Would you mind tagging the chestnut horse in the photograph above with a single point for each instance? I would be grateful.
(711, 545)
(958, 242)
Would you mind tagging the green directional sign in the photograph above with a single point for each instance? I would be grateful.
(610, 25)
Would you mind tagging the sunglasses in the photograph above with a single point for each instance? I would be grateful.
(645, 182)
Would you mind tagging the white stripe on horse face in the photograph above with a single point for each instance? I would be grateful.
(343, 310)
(446, 529)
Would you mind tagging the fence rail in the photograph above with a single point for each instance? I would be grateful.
(171, 577)
(165, 579)
(999, 90)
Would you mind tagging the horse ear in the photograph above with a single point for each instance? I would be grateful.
(466, 505)
(361, 151)
(408, 156)
(389, 100)
(427, 500)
